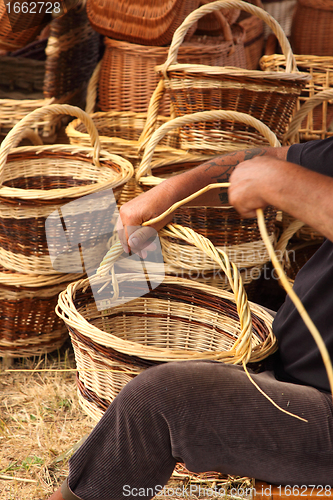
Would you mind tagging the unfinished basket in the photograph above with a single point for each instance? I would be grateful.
(227, 230)
(71, 55)
(317, 38)
(147, 23)
(178, 320)
(317, 120)
(119, 91)
(267, 96)
(37, 180)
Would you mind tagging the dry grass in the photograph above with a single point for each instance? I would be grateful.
(41, 424)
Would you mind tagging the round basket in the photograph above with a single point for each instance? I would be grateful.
(267, 96)
(178, 320)
(38, 180)
(29, 325)
(147, 23)
(317, 38)
(119, 91)
(317, 120)
(227, 230)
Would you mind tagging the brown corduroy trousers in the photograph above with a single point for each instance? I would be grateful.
(209, 416)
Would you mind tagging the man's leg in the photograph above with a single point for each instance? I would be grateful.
(211, 417)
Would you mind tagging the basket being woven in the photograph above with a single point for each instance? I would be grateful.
(267, 96)
(117, 89)
(178, 320)
(317, 120)
(240, 238)
(38, 180)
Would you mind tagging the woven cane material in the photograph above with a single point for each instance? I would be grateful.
(117, 89)
(313, 114)
(313, 41)
(37, 180)
(268, 96)
(147, 23)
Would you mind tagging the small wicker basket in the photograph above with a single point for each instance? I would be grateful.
(317, 120)
(178, 320)
(267, 96)
(38, 180)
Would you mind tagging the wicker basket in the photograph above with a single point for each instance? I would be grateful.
(147, 23)
(71, 55)
(29, 325)
(178, 320)
(37, 180)
(227, 230)
(317, 38)
(316, 122)
(119, 91)
(254, 36)
(18, 29)
(282, 11)
(269, 97)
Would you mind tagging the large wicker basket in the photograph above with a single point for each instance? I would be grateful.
(267, 96)
(38, 180)
(227, 230)
(178, 320)
(70, 56)
(147, 23)
(119, 91)
(317, 119)
(317, 38)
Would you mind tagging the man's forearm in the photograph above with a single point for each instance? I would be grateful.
(216, 170)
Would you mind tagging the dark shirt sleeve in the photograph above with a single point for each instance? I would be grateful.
(314, 155)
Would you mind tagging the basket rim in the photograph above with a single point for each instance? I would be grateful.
(68, 312)
(217, 71)
(126, 171)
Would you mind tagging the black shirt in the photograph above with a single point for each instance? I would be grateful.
(298, 359)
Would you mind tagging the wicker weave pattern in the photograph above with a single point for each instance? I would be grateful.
(148, 23)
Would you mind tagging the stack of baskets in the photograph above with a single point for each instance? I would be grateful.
(36, 181)
(54, 69)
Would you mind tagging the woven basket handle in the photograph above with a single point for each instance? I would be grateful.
(91, 97)
(15, 135)
(197, 14)
(309, 105)
(180, 121)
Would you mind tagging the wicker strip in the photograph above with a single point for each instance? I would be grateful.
(318, 121)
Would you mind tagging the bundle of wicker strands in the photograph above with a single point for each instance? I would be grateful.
(59, 75)
(178, 320)
(267, 96)
(240, 238)
(317, 112)
(38, 180)
(119, 91)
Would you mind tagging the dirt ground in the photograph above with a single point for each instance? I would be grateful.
(42, 424)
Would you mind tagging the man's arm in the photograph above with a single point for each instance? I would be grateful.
(217, 170)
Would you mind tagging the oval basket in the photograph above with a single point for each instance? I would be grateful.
(178, 320)
(267, 96)
(119, 91)
(227, 230)
(37, 180)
